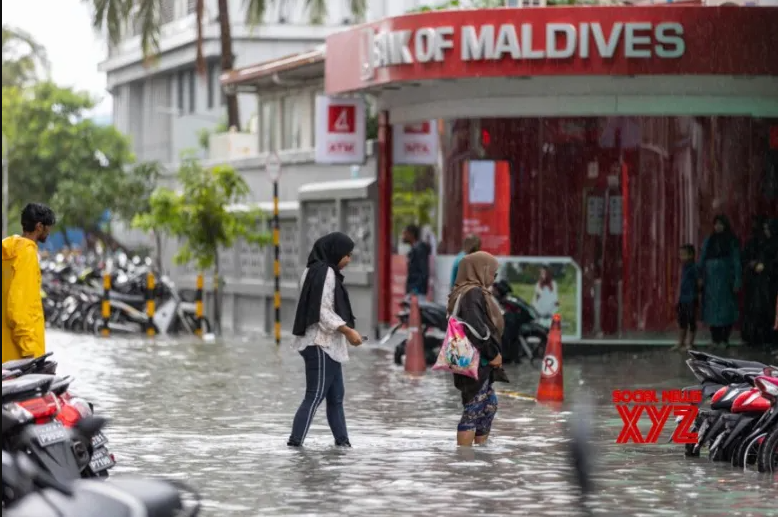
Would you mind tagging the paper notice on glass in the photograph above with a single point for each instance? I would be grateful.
(481, 182)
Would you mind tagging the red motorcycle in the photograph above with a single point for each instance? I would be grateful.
(57, 411)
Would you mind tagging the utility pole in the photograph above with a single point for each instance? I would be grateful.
(5, 188)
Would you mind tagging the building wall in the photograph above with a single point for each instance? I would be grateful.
(669, 175)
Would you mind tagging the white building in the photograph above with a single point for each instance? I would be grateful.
(164, 106)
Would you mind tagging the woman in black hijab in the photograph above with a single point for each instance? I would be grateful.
(759, 269)
(322, 325)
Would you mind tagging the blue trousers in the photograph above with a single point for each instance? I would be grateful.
(323, 380)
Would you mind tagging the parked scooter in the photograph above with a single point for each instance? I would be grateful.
(531, 334)
(433, 329)
(30, 491)
(54, 408)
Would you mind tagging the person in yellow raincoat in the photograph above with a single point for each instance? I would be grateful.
(23, 322)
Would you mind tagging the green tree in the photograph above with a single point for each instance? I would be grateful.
(58, 156)
(113, 16)
(23, 58)
(200, 217)
(414, 198)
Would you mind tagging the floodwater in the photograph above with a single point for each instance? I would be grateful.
(217, 415)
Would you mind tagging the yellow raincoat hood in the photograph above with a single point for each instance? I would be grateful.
(23, 322)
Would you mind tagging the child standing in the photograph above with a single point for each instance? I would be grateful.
(687, 298)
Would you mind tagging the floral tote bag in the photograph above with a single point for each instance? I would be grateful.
(458, 354)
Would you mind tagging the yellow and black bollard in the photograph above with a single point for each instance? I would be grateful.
(277, 264)
(106, 305)
(199, 304)
(150, 304)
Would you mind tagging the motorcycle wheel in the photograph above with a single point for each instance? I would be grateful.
(767, 460)
(746, 452)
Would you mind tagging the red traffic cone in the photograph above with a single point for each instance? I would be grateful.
(414, 347)
(551, 386)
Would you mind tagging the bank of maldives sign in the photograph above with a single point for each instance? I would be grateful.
(526, 42)
(340, 130)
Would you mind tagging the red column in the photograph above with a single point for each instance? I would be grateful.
(383, 244)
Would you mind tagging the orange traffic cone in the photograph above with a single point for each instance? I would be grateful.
(414, 347)
(551, 386)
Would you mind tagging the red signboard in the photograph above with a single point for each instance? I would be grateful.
(399, 276)
(486, 204)
(559, 41)
(340, 119)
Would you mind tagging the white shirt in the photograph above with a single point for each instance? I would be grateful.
(546, 300)
(325, 333)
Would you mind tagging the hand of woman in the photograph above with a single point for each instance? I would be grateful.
(353, 337)
(497, 361)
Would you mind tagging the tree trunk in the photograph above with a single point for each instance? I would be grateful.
(217, 298)
(109, 240)
(158, 245)
(233, 117)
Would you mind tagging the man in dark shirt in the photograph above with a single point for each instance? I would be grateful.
(418, 263)
(687, 298)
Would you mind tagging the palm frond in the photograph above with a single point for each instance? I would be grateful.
(317, 11)
(358, 9)
(255, 11)
(111, 17)
(149, 21)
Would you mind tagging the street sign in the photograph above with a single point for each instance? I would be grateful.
(273, 166)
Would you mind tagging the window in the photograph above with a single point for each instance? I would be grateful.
(291, 124)
(212, 82)
(191, 6)
(180, 92)
(267, 126)
(192, 93)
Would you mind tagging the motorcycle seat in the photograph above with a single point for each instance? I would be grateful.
(26, 384)
(23, 364)
(160, 498)
(131, 299)
(733, 363)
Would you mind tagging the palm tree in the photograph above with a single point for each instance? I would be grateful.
(112, 16)
(23, 57)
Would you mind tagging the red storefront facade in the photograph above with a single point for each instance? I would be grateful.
(648, 119)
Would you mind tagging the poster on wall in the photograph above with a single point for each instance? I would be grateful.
(415, 144)
(399, 271)
(551, 285)
(340, 130)
(486, 204)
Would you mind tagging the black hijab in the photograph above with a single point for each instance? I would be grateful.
(720, 244)
(326, 253)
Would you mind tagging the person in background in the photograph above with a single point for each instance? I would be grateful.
(471, 244)
(759, 270)
(322, 325)
(687, 298)
(472, 301)
(418, 279)
(23, 321)
(720, 270)
(546, 296)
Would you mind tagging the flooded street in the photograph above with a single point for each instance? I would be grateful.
(217, 415)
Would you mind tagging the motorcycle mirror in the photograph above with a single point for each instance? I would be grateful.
(90, 426)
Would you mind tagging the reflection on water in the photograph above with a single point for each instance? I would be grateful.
(218, 415)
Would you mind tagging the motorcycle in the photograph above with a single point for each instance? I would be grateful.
(434, 323)
(128, 310)
(29, 490)
(724, 381)
(747, 450)
(56, 405)
(531, 334)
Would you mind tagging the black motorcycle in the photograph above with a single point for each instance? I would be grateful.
(28, 490)
(433, 318)
(524, 336)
